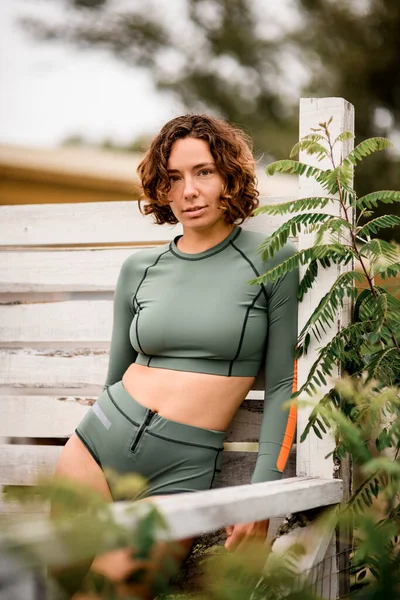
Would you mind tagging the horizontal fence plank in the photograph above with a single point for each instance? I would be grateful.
(57, 417)
(109, 223)
(63, 369)
(208, 511)
(23, 464)
(62, 270)
(41, 416)
(53, 368)
(188, 515)
(57, 322)
(83, 223)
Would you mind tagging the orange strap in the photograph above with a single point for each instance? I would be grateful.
(290, 429)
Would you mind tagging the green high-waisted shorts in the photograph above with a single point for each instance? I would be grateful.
(126, 437)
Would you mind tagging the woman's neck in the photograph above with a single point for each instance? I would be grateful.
(195, 241)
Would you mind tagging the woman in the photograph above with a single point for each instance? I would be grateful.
(190, 334)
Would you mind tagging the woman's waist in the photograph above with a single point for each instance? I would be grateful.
(198, 399)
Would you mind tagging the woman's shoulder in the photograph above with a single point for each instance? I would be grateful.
(251, 244)
(140, 259)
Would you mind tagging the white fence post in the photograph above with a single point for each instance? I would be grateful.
(311, 453)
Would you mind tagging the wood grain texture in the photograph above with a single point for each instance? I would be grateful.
(73, 369)
(83, 223)
(57, 322)
(57, 416)
(110, 223)
(311, 453)
(189, 515)
(62, 270)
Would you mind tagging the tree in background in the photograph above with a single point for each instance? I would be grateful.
(240, 59)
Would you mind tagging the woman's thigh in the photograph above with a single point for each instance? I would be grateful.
(77, 464)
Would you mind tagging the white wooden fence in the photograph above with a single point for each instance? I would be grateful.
(58, 268)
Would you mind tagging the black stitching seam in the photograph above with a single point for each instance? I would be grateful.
(88, 448)
(252, 266)
(242, 332)
(120, 410)
(208, 255)
(157, 435)
(215, 469)
(134, 299)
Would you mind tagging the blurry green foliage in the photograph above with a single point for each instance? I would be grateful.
(234, 57)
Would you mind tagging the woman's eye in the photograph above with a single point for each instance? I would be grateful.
(174, 178)
(204, 172)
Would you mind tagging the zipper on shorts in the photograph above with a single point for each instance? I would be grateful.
(143, 426)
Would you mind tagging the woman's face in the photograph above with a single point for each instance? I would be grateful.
(196, 186)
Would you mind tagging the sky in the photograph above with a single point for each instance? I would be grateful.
(49, 93)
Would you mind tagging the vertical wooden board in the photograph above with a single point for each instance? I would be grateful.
(311, 453)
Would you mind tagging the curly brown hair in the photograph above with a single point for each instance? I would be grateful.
(231, 150)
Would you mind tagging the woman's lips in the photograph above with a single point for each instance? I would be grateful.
(195, 211)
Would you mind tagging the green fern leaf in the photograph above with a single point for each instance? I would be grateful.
(295, 167)
(380, 222)
(390, 271)
(294, 206)
(366, 148)
(308, 279)
(381, 252)
(335, 227)
(330, 355)
(310, 146)
(328, 305)
(385, 366)
(333, 251)
(371, 200)
(345, 136)
(279, 238)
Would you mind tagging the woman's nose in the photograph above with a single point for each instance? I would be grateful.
(190, 190)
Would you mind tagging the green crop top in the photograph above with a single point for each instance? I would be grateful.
(196, 312)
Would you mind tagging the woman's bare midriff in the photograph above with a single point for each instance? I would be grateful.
(198, 399)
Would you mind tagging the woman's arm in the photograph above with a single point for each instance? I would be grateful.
(278, 424)
(122, 353)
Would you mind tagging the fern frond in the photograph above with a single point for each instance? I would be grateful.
(374, 486)
(308, 279)
(379, 223)
(291, 227)
(385, 366)
(294, 167)
(294, 205)
(334, 226)
(380, 251)
(310, 146)
(366, 148)
(342, 174)
(330, 355)
(345, 136)
(390, 271)
(331, 302)
(322, 410)
(372, 199)
(333, 251)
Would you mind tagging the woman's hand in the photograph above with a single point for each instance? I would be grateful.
(239, 535)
